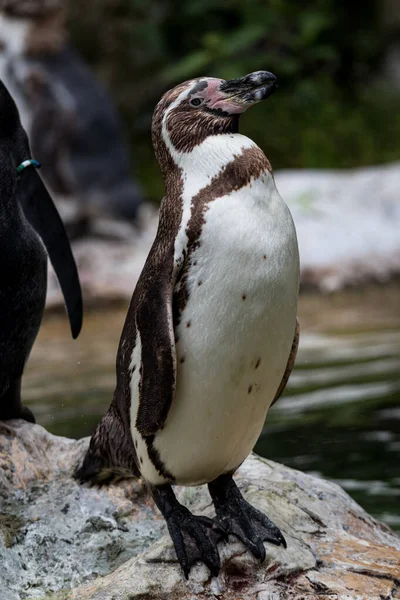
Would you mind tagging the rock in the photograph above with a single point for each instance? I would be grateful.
(64, 541)
(347, 224)
(55, 533)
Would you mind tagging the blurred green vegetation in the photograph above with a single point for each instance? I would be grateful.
(332, 109)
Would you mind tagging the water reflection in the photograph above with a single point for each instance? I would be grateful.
(339, 417)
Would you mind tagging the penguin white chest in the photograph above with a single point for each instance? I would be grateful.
(234, 335)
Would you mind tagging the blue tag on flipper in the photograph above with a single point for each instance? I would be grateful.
(28, 163)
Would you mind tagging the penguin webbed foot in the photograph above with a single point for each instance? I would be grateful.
(237, 517)
(27, 415)
(23, 412)
(195, 538)
(11, 406)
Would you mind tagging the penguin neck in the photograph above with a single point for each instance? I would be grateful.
(198, 167)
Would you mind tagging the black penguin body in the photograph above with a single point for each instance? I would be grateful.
(29, 223)
(23, 271)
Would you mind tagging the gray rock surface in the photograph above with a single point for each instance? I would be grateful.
(62, 541)
(347, 224)
(53, 532)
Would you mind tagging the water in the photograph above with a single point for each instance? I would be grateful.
(339, 417)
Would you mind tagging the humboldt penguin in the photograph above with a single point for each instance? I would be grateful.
(29, 225)
(211, 333)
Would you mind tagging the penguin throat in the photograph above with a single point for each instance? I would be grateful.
(207, 159)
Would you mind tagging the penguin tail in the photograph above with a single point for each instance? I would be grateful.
(111, 455)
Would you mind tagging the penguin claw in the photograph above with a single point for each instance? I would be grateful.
(239, 518)
(195, 538)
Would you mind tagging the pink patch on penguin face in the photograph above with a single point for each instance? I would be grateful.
(218, 100)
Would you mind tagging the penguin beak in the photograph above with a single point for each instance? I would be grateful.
(245, 91)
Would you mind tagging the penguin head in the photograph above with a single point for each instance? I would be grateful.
(207, 106)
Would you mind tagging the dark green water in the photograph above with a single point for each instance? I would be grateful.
(339, 417)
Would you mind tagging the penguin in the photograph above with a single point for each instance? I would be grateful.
(29, 225)
(87, 164)
(211, 334)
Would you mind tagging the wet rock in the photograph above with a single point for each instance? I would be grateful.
(53, 532)
(63, 541)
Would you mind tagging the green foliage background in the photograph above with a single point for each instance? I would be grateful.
(332, 109)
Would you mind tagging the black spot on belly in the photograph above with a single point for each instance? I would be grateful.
(133, 368)
(265, 257)
(141, 460)
(249, 389)
(136, 444)
(244, 297)
(257, 363)
(199, 283)
(182, 360)
(188, 324)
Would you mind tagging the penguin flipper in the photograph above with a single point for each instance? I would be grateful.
(158, 367)
(42, 214)
(151, 311)
(290, 363)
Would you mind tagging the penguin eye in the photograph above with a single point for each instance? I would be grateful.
(196, 101)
